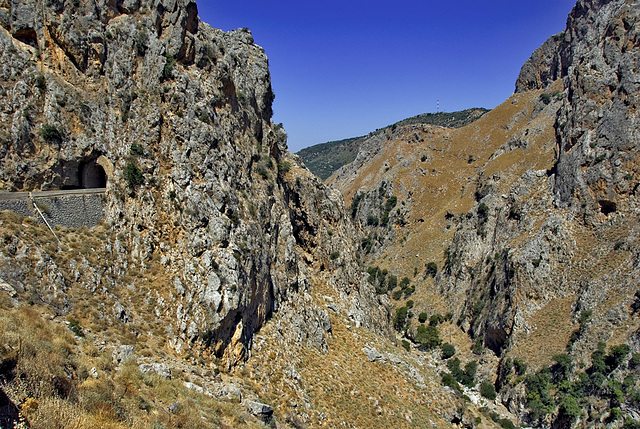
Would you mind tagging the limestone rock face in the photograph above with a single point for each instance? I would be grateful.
(597, 56)
(175, 117)
(597, 127)
(555, 240)
(543, 244)
(543, 67)
(530, 213)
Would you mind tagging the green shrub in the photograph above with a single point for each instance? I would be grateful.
(563, 367)
(204, 118)
(422, 317)
(263, 173)
(569, 406)
(436, 319)
(384, 221)
(488, 390)
(50, 133)
(41, 83)
(546, 98)
(400, 318)
(404, 283)
(630, 423)
(334, 255)
(391, 203)
(142, 40)
(483, 210)
(448, 350)
(478, 346)
(506, 423)
(392, 282)
(372, 220)
(74, 326)
(449, 381)
(366, 244)
(284, 167)
(470, 370)
(453, 365)
(373, 274)
(133, 175)
(617, 356)
(635, 306)
(538, 394)
(397, 294)
(585, 316)
(432, 269)
(428, 336)
(406, 345)
(170, 63)
(355, 202)
(520, 366)
(614, 414)
(136, 149)
(409, 291)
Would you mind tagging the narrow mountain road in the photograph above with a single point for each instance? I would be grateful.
(6, 195)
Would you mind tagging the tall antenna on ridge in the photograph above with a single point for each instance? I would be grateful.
(438, 107)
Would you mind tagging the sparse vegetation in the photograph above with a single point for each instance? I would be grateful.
(323, 159)
(264, 167)
(133, 175)
(41, 83)
(142, 40)
(432, 269)
(488, 391)
(448, 351)
(284, 167)
(169, 65)
(428, 336)
(136, 149)
(51, 133)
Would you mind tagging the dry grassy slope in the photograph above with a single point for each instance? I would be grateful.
(342, 388)
(75, 380)
(591, 269)
(337, 387)
(446, 182)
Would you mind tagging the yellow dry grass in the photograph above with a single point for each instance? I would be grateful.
(443, 184)
(551, 327)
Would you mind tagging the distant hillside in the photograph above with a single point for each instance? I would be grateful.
(325, 158)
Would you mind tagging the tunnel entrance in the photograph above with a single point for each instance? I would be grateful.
(92, 175)
(88, 174)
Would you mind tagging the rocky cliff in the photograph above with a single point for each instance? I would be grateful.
(586, 196)
(173, 117)
(524, 224)
(326, 158)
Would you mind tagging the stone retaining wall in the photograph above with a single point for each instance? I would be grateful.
(71, 211)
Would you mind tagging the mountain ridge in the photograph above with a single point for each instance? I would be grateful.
(325, 158)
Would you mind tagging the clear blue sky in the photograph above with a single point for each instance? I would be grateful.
(344, 68)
